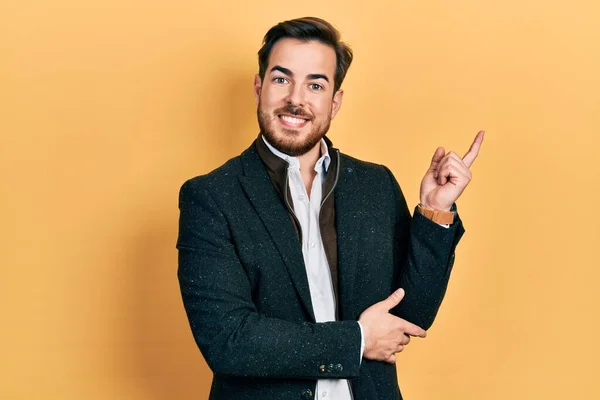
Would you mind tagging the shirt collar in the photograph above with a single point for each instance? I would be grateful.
(323, 161)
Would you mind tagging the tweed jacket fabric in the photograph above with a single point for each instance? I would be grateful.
(246, 294)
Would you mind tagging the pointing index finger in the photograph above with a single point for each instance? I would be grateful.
(471, 155)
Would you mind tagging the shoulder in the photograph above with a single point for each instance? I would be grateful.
(214, 181)
(365, 168)
(371, 178)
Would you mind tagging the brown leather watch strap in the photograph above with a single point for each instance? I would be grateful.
(438, 216)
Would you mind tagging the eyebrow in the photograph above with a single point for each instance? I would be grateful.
(318, 76)
(289, 73)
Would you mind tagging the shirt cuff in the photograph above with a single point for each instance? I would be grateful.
(362, 341)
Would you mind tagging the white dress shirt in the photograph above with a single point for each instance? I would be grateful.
(307, 209)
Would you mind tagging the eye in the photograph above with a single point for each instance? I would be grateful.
(316, 86)
(279, 79)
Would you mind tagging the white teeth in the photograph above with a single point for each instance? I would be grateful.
(292, 119)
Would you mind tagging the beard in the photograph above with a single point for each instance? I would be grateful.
(288, 140)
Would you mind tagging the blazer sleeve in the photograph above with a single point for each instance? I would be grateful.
(424, 256)
(233, 337)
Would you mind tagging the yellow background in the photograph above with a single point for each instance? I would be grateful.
(108, 106)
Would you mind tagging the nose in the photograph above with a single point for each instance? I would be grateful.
(296, 95)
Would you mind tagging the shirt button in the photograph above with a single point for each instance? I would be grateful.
(324, 394)
(312, 244)
(301, 197)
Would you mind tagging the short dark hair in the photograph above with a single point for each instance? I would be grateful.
(307, 29)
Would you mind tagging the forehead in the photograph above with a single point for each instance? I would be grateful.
(303, 57)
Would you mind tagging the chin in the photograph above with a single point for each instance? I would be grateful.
(290, 142)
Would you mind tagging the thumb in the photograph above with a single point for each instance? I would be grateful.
(393, 300)
(437, 157)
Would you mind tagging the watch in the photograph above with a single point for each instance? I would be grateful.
(438, 216)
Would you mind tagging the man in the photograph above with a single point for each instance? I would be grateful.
(301, 269)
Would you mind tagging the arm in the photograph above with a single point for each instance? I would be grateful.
(424, 255)
(425, 249)
(233, 337)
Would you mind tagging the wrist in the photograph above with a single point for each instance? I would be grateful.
(364, 337)
(362, 340)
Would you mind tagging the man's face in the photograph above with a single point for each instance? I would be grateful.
(295, 99)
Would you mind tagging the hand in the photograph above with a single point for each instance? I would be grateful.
(385, 334)
(448, 176)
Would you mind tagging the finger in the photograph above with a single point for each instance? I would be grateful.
(452, 174)
(453, 155)
(471, 155)
(405, 340)
(399, 348)
(391, 359)
(437, 157)
(393, 300)
(445, 170)
(449, 157)
(451, 169)
(451, 166)
(414, 330)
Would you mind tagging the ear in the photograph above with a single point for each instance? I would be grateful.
(337, 103)
(257, 88)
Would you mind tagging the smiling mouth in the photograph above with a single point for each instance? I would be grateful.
(292, 122)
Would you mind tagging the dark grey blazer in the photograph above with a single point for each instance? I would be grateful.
(246, 293)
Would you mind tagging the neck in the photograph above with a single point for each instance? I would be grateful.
(307, 166)
(309, 159)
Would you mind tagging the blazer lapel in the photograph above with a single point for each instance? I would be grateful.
(348, 212)
(273, 213)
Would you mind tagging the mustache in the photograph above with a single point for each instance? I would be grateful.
(293, 110)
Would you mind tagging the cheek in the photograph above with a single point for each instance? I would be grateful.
(272, 97)
(322, 108)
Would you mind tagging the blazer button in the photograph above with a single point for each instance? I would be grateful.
(306, 394)
(339, 368)
(331, 368)
(322, 369)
